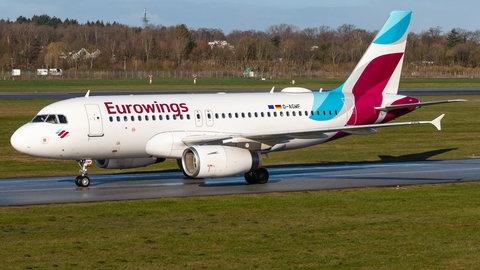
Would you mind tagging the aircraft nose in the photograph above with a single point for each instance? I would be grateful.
(20, 141)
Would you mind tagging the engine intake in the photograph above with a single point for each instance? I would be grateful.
(206, 161)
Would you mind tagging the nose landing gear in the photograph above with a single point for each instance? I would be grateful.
(82, 180)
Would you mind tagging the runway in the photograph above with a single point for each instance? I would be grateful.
(153, 185)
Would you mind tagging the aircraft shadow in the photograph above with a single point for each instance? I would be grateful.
(414, 157)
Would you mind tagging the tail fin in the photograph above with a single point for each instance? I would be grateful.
(380, 68)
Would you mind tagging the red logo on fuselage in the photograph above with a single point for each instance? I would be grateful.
(146, 108)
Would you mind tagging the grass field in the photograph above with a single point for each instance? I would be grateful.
(203, 84)
(420, 227)
(417, 227)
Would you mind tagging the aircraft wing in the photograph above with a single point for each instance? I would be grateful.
(272, 138)
(403, 106)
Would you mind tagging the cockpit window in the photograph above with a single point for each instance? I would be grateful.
(39, 118)
(52, 118)
(62, 118)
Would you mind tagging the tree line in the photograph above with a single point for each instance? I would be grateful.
(48, 42)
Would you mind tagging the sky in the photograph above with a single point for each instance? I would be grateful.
(229, 15)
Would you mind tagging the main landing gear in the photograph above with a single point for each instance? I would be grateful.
(82, 180)
(259, 176)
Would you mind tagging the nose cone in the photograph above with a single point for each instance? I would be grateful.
(21, 141)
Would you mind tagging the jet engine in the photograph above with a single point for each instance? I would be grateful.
(127, 163)
(206, 161)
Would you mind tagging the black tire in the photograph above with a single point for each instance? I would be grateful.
(84, 181)
(77, 181)
(250, 177)
(261, 176)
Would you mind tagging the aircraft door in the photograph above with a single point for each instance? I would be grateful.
(351, 112)
(95, 123)
(198, 118)
(209, 117)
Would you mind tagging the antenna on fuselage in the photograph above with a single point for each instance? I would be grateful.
(271, 91)
(87, 94)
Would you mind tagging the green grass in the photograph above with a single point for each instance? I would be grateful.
(205, 84)
(417, 227)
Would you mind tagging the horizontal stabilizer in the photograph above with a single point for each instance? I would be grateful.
(436, 122)
(418, 105)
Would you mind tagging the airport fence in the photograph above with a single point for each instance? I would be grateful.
(27, 75)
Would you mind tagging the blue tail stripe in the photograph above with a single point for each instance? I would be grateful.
(395, 27)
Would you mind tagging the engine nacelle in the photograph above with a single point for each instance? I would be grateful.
(127, 163)
(207, 161)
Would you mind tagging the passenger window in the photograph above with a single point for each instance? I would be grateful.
(167, 117)
(216, 115)
(111, 119)
(293, 113)
(275, 114)
(249, 115)
(223, 115)
(139, 118)
(118, 118)
(299, 113)
(160, 117)
(324, 113)
(330, 112)
(281, 114)
(287, 113)
(146, 117)
(62, 118)
(336, 112)
(312, 113)
(229, 115)
(268, 114)
(181, 116)
(262, 114)
(132, 118)
(236, 115)
(153, 118)
(125, 118)
(256, 115)
(188, 116)
(318, 112)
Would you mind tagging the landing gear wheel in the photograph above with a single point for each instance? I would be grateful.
(82, 181)
(77, 181)
(250, 178)
(259, 176)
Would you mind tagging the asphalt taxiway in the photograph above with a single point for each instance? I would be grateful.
(152, 185)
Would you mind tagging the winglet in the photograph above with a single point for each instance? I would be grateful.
(436, 122)
(87, 94)
(271, 91)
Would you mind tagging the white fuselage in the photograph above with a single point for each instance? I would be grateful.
(120, 126)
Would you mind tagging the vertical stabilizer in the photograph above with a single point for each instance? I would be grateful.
(380, 68)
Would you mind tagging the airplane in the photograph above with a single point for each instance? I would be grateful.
(225, 134)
